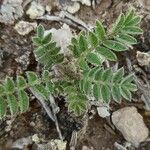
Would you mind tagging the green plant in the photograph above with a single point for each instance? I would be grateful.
(83, 75)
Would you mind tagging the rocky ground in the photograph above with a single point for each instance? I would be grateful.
(123, 127)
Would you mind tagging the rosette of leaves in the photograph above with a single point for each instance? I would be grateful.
(89, 50)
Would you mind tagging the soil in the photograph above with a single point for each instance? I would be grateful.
(98, 133)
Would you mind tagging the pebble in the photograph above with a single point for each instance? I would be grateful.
(24, 27)
(130, 123)
(35, 10)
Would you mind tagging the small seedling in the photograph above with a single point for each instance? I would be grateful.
(84, 75)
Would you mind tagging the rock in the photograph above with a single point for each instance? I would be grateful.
(52, 145)
(75, 7)
(84, 2)
(10, 10)
(24, 27)
(143, 58)
(21, 143)
(35, 10)
(130, 123)
(35, 138)
(62, 37)
(70, 6)
(87, 148)
(103, 111)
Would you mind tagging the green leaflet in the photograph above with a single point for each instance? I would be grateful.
(93, 59)
(114, 45)
(125, 93)
(106, 93)
(98, 74)
(41, 90)
(118, 75)
(9, 85)
(40, 31)
(47, 38)
(129, 17)
(45, 75)
(36, 41)
(97, 92)
(135, 21)
(21, 83)
(2, 90)
(23, 101)
(100, 31)
(116, 93)
(126, 39)
(132, 30)
(83, 45)
(2, 107)
(83, 64)
(12, 103)
(119, 23)
(108, 54)
(93, 39)
(107, 75)
(32, 78)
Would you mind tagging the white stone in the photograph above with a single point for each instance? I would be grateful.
(143, 58)
(103, 111)
(75, 7)
(62, 37)
(24, 27)
(10, 10)
(20, 143)
(35, 10)
(84, 2)
(130, 123)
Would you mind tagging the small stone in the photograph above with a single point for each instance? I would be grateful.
(143, 58)
(35, 138)
(130, 123)
(24, 27)
(75, 7)
(35, 10)
(10, 10)
(84, 2)
(21, 143)
(103, 111)
(62, 37)
(87, 148)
